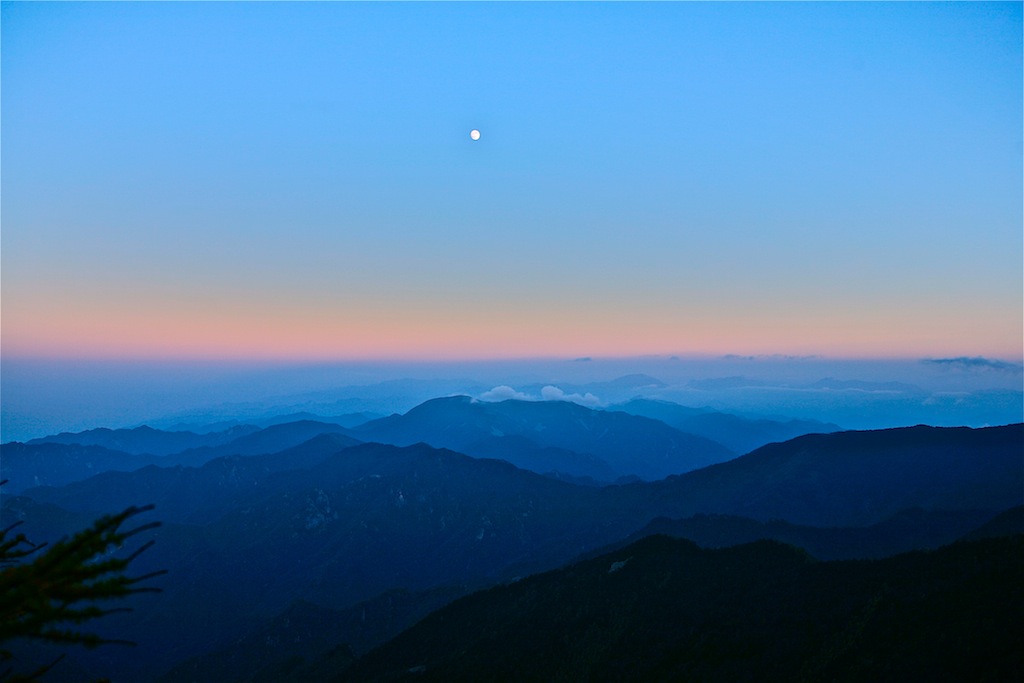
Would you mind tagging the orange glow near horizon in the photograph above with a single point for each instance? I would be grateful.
(435, 334)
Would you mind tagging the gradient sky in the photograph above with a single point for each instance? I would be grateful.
(297, 181)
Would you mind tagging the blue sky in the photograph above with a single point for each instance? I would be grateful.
(297, 181)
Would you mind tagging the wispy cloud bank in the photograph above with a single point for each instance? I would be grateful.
(975, 363)
(505, 393)
(552, 393)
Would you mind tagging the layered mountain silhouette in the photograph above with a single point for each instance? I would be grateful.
(146, 440)
(854, 478)
(365, 520)
(739, 434)
(56, 464)
(75, 457)
(305, 632)
(557, 438)
(624, 444)
(664, 609)
(271, 543)
(913, 529)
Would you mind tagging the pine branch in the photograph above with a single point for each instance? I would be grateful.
(60, 585)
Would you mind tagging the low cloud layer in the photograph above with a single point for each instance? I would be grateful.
(505, 393)
(552, 393)
(974, 363)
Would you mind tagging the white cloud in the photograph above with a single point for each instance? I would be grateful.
(551, 393)
(504, 393)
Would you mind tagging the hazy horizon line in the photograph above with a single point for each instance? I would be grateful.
(1017, 359)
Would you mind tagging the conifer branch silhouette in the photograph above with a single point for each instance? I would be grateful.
(48, 592)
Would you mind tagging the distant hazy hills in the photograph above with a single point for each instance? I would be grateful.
(616, 442)
(739, 434)
(67, 458)
(549, 437)
(146, 440)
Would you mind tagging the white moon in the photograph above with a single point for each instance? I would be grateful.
(475, 134)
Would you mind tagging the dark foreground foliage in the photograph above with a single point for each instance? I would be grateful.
(664, 609)
(48, 593)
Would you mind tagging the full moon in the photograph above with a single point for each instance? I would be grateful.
(475, 134)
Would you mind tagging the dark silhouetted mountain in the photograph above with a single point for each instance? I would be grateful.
(739, 434)
(305, 635)
(301, 633)
(348, 420)
(57, 464)
(241, 543)
(853, 478)
(189, 494)
(663, 609)
(270, 440)
(146, 440)
(909, 530)
(1006, 523)
(246, 536)
(627, 443)
(45, 522)
(527, 455)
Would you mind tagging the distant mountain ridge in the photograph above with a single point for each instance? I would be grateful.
(628, 444)
(739, 434)
(64, 460)
(913, 529)
(25, 466)
(145, 440)
(855, 478)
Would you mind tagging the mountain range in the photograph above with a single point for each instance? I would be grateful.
(739, 434)
(625, 444)
(663, 609)
(328, 543)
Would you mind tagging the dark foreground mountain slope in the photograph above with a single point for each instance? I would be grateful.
(305, 632)
(852, 478)
(366, 520)
(665, 610)
(628, 444)
(305, 629)
(1005, 524)
(914, 529)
